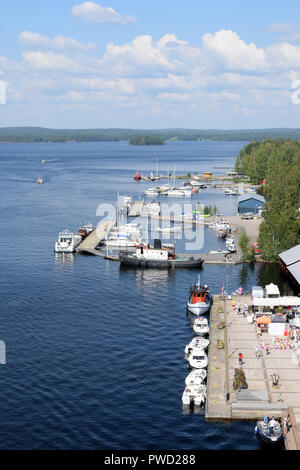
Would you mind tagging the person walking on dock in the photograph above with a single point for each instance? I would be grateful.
(240, 359)
(257, 351)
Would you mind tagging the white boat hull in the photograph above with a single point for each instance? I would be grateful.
(199, 308)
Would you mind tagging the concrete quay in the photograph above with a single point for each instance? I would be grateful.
(261, 398)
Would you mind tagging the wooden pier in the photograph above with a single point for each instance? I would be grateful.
(136, 209)
(261, 398)
(89, 244)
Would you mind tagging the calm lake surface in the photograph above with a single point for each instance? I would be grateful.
(95, 353)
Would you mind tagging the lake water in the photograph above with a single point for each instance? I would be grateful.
(95, 353)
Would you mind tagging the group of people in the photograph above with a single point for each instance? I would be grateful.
(242, 310)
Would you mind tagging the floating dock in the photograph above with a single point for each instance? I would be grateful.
(89, 244)
(261, 398)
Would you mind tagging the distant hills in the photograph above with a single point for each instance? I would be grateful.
(40, 134)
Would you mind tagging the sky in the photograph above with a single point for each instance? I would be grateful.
(159, 64)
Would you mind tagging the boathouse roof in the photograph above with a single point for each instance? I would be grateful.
(246, 197)
(290, 256)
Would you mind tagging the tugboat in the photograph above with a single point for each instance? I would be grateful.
(269, 431)
(199, 300)
(158, 257)
(137, 176)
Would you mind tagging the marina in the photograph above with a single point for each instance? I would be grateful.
(77, 308)
(231, 334)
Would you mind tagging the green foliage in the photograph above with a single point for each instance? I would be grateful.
(147, 140)
(244, 246)
(278, 162)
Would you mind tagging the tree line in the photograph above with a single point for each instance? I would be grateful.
(278, 163)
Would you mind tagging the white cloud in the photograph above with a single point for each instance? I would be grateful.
(35, 40)
(233, 52)
(95, 13)
(45, 61)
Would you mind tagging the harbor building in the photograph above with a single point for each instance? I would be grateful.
(250, 203)
(290, 264)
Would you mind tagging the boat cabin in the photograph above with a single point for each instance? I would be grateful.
(157, 253)
(199, 294)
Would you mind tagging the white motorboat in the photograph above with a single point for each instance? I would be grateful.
(198, 359)
(199, 299)
(67, 242)
(196, 377)
(194, 395)
(197, 342)
(151, 192)
(120, 242)
(201, 326)
(128, 230)
(230, 245)
(169, 229)
(175, 193)
(269, 431)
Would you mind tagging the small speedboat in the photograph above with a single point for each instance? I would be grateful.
(40, 180)
(198, 359)
(269, 431)
(199, 300)
(197, 342)
(194, 395)
(196, 377)
(200, 326)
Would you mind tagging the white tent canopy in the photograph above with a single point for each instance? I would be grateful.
(277, 302)
(272, 289)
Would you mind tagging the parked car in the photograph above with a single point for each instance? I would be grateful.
(247, 215)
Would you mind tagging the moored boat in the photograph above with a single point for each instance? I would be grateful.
(198, 359)
(269, 431)
(194, 395)
(200, 326)
(199, 300)
(67, 242)
(137, 176)
(197, 342)
(196, 377)
(158, 257)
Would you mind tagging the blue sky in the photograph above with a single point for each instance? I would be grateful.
(157, 64)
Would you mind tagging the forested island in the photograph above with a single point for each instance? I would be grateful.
(147, 140)
(277, 164)
(40, 134)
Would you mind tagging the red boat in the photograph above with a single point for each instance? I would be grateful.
(137, 176)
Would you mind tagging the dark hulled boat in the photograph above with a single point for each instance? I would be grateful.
(159, 256)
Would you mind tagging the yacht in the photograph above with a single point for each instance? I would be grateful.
(67, 242)
(194, 395)
(119, 242)
(199, 300)
(196, 377)
(200, 326)
(197, 342)
(198, 359)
